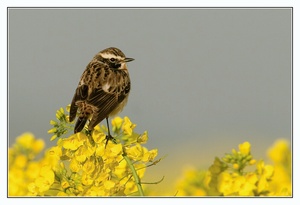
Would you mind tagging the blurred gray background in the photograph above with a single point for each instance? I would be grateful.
(203, 80)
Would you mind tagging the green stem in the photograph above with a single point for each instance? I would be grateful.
(154, 182)
(135, 176)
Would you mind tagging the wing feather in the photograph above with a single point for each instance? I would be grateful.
(81, 94)
(104, 102)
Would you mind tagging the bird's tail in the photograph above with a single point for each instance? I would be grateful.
(80, 124)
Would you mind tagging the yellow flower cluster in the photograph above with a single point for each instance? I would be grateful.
(280, 154)
(194, 183)
(228, 176)
(62, 126)
(82, 164)
(23, 167)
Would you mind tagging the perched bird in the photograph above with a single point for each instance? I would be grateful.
(102, 90)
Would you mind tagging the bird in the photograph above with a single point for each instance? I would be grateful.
(102, 91)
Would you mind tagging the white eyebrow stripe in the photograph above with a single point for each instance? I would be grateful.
(109, 55)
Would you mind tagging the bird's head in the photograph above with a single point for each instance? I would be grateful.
(114, 58)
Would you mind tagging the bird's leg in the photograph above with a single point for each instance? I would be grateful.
(108, 136)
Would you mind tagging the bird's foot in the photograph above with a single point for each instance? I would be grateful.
(109, 137)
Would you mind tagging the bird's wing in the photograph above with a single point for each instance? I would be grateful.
(81, 94)
(104, 103)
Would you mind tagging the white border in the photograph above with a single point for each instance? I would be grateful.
(146, 3)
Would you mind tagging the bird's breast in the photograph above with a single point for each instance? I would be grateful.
(119, 108)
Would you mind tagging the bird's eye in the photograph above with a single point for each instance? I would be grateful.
(112, 59)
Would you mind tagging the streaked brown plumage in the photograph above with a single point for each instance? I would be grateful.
(102, 90)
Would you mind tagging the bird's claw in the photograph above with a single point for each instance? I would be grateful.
(109, 137)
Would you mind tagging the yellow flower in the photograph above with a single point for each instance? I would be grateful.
(116, 149)
(86, 179)
(246, 189)
(245, 148)
(263, 185)
(89, 166)
(55, 151)
(200, 192)
(108, 184)
(121, 169)
(77, 167)
(65, 184)
(45, 180)
(265, 170)
(260, 166)
(53, 137)
(235, 166)
(252, 162)
(237, 183)
(42, 184)
(52, 122)
(93, 191)
(266, 180)
(128, 126)
(268, 171)
(130, 187)
(74, 141)
(98, 136)
(60, 113)
(74, 165)
(62, 194)
(47, 172)
(225, 183)
(101, 151)
(33, 189)
(53, 130)
(216, 168)
(103, 176)
(80, 154)
(149, 155)
(16, 182)
(140, 169)
(244, 185)
(143, 138)
(234, 152)
(281, 181)
(53, 156)
(116, 123)
(21, 161)
(68, 107)
(135, 152)
(68, 118)
(251, 178)
(280, 151)
(25, 140)
(33, 170)
(38, 146)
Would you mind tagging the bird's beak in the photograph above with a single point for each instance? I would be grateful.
(128, 59)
